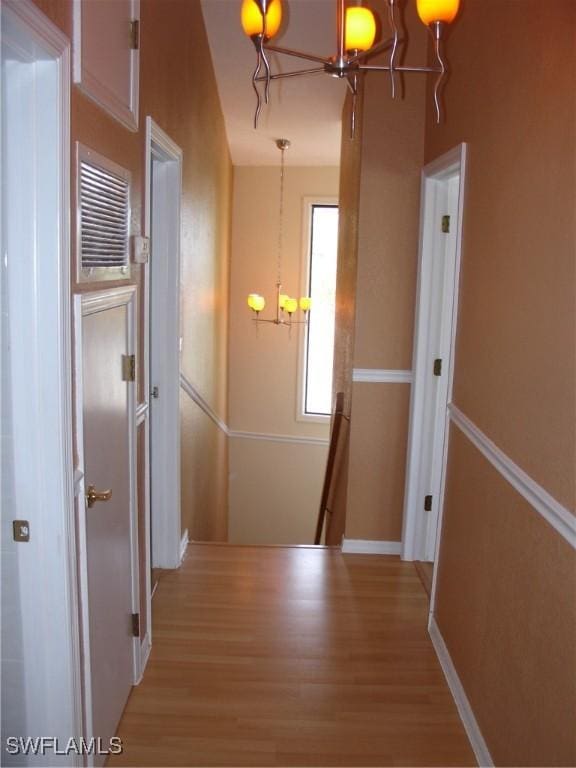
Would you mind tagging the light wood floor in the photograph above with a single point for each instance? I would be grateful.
(291, 657)
(425, 571)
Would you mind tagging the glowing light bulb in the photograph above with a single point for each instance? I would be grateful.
(256, 302)
(305, 303)
(291, 306)
(360, 29)
(252, 18)
(282, 299)
(437, 10)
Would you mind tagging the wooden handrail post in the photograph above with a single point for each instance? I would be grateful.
(337, 418)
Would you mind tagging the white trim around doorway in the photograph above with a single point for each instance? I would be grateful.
(162, 481)
(415, 544)
(46, 596)
(85, 304)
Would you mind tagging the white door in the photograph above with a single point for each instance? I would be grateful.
(106, 55)
(163, 193)
(39, 623)
(110, 587)
(441, 216)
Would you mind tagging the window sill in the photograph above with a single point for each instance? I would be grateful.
(313, 418)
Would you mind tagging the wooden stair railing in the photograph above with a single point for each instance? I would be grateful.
(337, 418)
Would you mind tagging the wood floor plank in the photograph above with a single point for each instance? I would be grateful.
(291, 657)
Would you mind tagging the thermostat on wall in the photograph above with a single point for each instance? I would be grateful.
(140, 249)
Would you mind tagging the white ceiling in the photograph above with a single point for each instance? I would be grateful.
(305, 110)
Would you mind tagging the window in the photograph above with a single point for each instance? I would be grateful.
(321, 286)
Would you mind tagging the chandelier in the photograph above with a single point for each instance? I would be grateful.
(286, 305)
(356, 32)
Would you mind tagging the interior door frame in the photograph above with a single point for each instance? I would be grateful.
(415, 544)
(162, 480)
(50, 645)
(85, 304)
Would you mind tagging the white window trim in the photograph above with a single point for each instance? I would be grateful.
(307, 202)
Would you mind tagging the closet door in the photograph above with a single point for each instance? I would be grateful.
(106, 55)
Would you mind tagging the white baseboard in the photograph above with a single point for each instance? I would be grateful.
(459, 695)
(183, 544)
(367, 547)
(145, 648)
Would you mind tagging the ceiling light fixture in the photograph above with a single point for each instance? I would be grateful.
(356, 31)
(286, 306)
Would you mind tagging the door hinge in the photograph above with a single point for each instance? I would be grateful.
(128, 367)
(438, 367)
(135, 625)
(135, 35)
(427, 503)
(445, 224)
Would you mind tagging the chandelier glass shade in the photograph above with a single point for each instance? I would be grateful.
(286, 306)
(254, 22)
(360, 29)
(437, 10)
(356, 33)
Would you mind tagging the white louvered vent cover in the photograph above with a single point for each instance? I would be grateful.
(104, 210)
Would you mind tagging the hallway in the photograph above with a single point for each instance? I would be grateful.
(291, 657)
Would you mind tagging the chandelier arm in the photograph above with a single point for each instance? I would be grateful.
(392, 18)
(340, 29)
(372, 51)
(268, 75)
(296, 73)
(298, 54)
(352, 83)
(255, 86)
(263, 57)
(354, 89)
(386, 68)
(437, 31)
(278, 290)
(267, 320)
(282, 148)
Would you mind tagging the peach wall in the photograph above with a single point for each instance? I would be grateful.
(388, 202)
(506, 593)
(274, 491)
(378, 440)
(515, 356)
(350, 171)
(350, 168)
(204, 486)
(180, 93)
(506, 608)
(264, 362)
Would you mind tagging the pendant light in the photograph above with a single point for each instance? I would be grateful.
(286, 306)
(356, 32)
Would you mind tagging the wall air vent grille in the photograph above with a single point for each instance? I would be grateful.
(104, 216)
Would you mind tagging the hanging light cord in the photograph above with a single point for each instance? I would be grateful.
(280, 225)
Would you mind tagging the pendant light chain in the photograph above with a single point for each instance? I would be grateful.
(285, 305)
(281, 212)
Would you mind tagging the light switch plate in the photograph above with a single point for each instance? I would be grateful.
(21, 530)
(140, 249)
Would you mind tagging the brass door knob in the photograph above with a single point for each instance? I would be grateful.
(92, 495)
